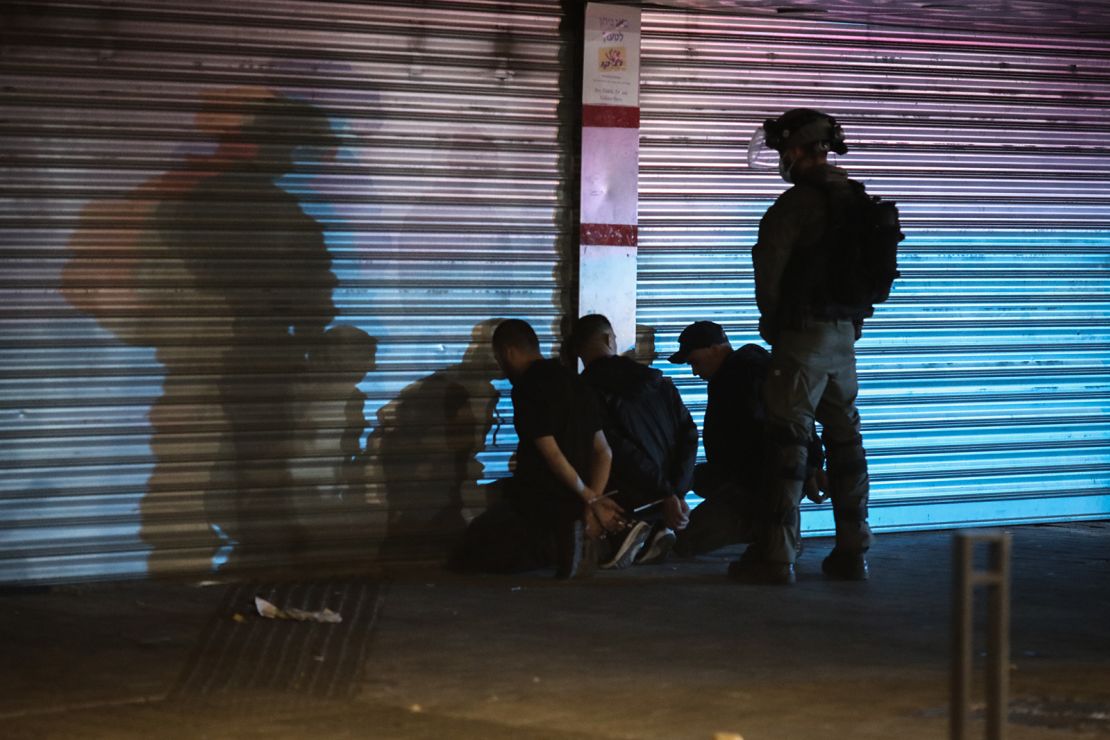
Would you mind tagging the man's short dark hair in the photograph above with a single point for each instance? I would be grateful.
(515, 333)
(588, 328)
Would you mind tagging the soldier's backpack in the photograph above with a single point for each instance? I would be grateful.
(861, 250)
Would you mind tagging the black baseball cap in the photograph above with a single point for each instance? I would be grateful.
(698, 335)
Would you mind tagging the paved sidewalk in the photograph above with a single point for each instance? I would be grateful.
(671, 651)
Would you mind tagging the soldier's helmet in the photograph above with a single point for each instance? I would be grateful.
(803, 127)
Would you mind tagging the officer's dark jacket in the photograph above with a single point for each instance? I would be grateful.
(735, 418)
(791, 228)
(653, 438)
(734, 432)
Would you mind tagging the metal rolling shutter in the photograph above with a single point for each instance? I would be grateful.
(984, 379)
(168, 398)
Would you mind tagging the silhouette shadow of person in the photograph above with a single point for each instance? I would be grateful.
(427, 441)
(331, 475)
(246, 240)
(219, 269)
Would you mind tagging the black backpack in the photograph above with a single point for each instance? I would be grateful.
(860, 251)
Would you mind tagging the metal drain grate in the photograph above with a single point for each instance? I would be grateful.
(240, 656)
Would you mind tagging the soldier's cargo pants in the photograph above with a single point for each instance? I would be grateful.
(813, 374)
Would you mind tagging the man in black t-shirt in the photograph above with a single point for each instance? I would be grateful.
(553, 508)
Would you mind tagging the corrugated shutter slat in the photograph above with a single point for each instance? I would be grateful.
(191, 194)
(984, 389)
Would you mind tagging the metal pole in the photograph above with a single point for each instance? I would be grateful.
(998, 639)
(961, 636)
(964, 580)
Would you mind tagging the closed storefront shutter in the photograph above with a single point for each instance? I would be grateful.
(251, 253)
(984, 384)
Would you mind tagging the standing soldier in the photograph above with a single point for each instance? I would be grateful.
(815, 283)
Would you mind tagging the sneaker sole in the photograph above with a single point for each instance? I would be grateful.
(587, 561)
(629, 548)
(571, 549)
(658, 550)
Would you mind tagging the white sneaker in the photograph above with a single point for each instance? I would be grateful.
(630, 546)
(657, 547)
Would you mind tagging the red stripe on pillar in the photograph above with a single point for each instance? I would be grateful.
(610, 116)
(608, 235)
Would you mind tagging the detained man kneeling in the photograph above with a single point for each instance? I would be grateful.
(654, 442)
(732, 480)
(553, 510)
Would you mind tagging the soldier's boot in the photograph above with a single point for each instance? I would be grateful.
(850, 487)
(777, 539)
